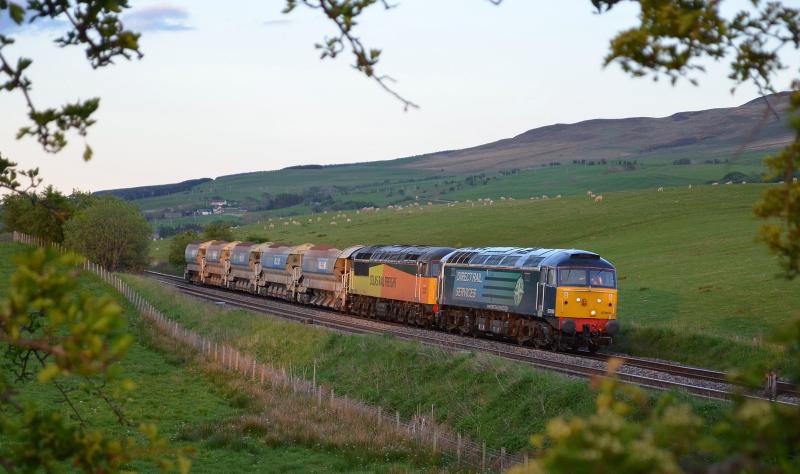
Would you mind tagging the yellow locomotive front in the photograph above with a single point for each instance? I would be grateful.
(586, 303)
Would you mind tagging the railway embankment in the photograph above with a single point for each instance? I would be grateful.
(483, 396)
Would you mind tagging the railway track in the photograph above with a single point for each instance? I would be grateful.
(643, 372)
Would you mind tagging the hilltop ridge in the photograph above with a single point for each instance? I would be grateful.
(750, 127)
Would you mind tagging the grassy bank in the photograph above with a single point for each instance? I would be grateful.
(190, 405)
(485, 397)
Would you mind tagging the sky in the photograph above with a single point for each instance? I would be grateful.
(232, 87)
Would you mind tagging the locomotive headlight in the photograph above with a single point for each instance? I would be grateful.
(593, 312)
(599, 300)
(578, 300)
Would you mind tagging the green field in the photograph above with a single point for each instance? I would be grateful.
(482, 396)
(181, 398)
(694, 283)
(384, 183)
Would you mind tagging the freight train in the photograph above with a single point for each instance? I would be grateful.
(546, 298)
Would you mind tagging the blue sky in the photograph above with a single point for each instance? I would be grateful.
(229, 87)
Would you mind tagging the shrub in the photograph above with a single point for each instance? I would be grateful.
(110, 232)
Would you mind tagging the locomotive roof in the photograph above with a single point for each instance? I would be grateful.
(527, 257)
(401, 253)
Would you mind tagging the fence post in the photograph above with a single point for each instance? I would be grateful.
(502, 459)
(458, 449)
(483, 457)
(397, 418)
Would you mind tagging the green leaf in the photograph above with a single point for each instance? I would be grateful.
(87, 153)
(17, 13)
(48, 373)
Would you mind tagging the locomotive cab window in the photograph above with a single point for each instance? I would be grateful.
(587, 277)
(551, 277)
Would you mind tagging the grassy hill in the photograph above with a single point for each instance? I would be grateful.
(694, 283)
(715, 132)
(605, 155)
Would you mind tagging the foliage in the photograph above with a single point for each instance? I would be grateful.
(754, 436)
(110, 232)
(781, 204)
(343, 13)
(94, 24)
(51, 334)
(218, 230)
(39, 214)
(177, 247)
(256, 238)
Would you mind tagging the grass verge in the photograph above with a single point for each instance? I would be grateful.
(485, 397)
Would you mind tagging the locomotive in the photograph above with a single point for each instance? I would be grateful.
(546, 298)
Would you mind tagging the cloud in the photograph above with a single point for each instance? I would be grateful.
(162, 17)
(7, 25)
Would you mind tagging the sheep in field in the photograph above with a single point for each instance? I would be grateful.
(598, 198)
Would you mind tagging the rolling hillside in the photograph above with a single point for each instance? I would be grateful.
(751, 127)
(602, 155)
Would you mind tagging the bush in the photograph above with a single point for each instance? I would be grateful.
(41, 215)
(178, 246)
(257, 239)
(110, 232)
(218, 230)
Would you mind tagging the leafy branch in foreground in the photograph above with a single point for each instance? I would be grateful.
(94, 24)
(343, 14)
(52, 333)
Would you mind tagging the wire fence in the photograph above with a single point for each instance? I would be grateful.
(420, 427)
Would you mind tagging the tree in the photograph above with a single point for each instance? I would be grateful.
(178, 246)
(40, 214)
(110, 232)
(218, 230)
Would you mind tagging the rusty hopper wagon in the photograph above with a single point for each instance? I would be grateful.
(243, 261)
(195, 256)
(217, 263)
(322, 279)
(273, 273)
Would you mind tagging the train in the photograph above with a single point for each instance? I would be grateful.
(556, 299)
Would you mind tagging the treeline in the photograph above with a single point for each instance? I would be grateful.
(105, 229)
(141, 192)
